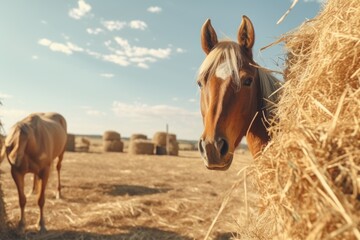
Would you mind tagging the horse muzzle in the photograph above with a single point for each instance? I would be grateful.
(215, 154)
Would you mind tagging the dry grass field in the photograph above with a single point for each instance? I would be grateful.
(123, 196)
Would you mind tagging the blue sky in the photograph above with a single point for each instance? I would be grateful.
(128, 66)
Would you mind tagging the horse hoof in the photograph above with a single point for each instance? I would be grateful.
(21, 228)
(42, 229)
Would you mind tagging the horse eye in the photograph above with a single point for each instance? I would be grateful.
(200, 84)
(248, 81)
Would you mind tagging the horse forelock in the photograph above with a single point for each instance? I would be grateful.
(225, 59)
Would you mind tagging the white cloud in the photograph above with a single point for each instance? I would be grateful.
(114, 25)
(143, 65)
(93, 54)
(59, 47)
(94, 31)
(137, 24)
(44, 22)
(154, 9)
(95, 113)
(118, 25)
(34, 57)
(44, 42)
(180, 50)
(5, 96)
(124, 53)
(192, 100)
(142, 111)
(79, 12)
(107, 75)
(67, 48)
(117, 59)
(92, 112)
(74, 47)
(122, 42)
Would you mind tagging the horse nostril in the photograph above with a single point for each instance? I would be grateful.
(201, 148)
(222, 146)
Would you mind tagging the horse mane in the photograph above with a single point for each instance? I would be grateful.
(18, 127)
(269, 88)
(225, 52)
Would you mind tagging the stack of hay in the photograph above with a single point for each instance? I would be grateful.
(138, 136)
(140, 145)
(160, 140)
(308, 175)
(70, 144)
(112, 142)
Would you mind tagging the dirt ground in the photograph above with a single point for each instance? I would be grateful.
(123, 196)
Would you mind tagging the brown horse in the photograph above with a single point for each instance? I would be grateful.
(31, 147)
(236, 95)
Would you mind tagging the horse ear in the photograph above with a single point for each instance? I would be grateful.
(246, 34)
(208, 37)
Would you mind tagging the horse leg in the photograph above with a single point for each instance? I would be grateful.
(19, 181)
(44, 176)
(58, 168)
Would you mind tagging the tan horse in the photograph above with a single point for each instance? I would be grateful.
(234, 94)
(31, 147)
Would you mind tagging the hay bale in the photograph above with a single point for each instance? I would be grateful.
(70, 143)
(111, 135)
(138, 136)
(113, 146)
(141, 146)
(159, 138)
(173, 149)
(308, 176)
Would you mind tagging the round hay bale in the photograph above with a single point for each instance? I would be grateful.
(173, 149)
(141, 146)
(138, 136)
(111, 135)
(159, 138)
(308, 175)
(113, 146)
(70, 143)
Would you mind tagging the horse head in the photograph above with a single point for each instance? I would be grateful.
(229, 85)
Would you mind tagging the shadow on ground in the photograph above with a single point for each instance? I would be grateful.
(136, 233)
(132, 190)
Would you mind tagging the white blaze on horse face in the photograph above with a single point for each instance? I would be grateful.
(223, 71)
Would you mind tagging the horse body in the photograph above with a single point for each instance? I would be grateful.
(31, 147)
(233, 89)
